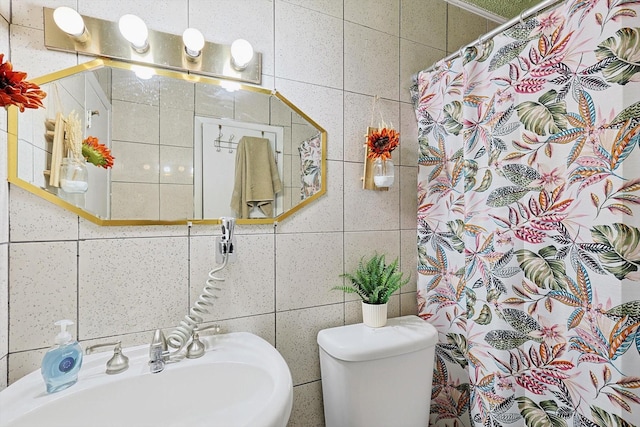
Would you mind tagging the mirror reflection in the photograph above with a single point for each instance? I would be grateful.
(184, 147)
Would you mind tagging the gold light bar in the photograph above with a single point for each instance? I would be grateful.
(165, 50)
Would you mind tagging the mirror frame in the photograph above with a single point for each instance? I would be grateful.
(12, 148)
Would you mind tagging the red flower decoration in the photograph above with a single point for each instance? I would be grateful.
(96, 153)
(15, 90)
(382, 142)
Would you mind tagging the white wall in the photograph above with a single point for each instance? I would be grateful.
(329, 57)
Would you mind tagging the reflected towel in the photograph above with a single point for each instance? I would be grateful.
(256, 177)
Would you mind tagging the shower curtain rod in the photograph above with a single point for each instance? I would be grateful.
(540, 7)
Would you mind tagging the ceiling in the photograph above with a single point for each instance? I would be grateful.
(498, 10)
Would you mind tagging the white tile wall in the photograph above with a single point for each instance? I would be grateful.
(425, 22)
(407, 181)
(409, 258)
(370, 210)
(461, 18)
(415, 56)
(117, 293)
(3, 370)
(4, 304)
(5, 10)
(4, 190)
(296, 338)
(329, 57)
(408, 151)
(371, 62)
(42, 290)
(330, 7)
(32, 219)
(308, 266)
(307, 407)
(383, 15)
(309, 46)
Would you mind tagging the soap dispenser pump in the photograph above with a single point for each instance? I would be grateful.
(61, 364)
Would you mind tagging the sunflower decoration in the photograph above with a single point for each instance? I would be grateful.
(15, 90)
(382, 142)
(96, 153)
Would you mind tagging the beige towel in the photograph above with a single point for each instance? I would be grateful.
(257, 180)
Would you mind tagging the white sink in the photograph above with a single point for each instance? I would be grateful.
(240, 381)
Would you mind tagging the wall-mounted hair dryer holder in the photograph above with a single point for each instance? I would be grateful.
(227, 247)
(226, 244)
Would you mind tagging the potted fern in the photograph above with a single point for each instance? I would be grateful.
(374, 281)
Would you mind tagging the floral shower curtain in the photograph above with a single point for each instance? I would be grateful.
(528, 229)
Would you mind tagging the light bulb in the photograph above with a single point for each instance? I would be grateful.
(135, 31)
(241, 54)
(70, 21)
(193, 42)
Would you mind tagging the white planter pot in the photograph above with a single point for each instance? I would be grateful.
(374, 315)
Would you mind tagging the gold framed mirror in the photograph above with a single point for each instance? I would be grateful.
(186, 148)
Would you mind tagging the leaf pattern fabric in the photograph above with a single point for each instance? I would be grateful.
(528, 229)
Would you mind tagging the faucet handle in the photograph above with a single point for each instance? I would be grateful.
(118, 362)
(196, 347)
(216, 327)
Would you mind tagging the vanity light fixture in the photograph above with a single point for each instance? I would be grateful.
(71, 22)
(131, 41)
(241, 54)
(193, 43)
(135, 31)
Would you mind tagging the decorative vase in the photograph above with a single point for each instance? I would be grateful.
(374, 315)
(383, 172)
(74, 177)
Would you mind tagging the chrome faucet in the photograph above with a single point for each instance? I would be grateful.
(158, 352)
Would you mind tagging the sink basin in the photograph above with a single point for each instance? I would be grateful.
(240, 381)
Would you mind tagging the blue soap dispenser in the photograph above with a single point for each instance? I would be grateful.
(61, 364)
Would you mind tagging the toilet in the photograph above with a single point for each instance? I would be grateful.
(378, 376)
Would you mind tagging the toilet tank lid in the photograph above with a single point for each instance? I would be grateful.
(401, 335)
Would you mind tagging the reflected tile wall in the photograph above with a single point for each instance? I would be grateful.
(176, 126)
(135, 162)
(130, 200)
(176, 201)
(320, 55)
(136, 122)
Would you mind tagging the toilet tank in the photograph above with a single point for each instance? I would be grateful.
(378, 376)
